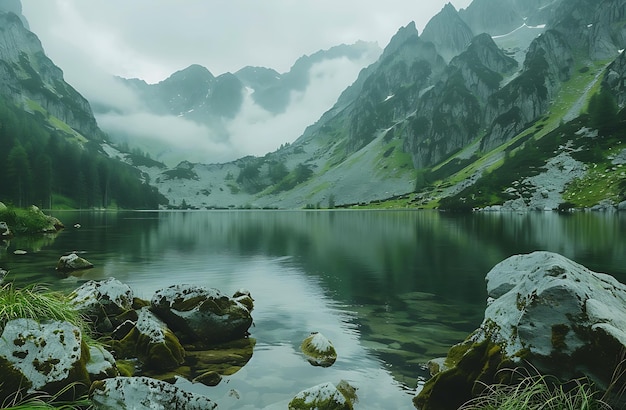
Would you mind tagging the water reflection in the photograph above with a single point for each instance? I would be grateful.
(391, 289)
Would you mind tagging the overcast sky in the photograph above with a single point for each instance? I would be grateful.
(151, 39)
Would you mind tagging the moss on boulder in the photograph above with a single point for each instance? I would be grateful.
(318, 350)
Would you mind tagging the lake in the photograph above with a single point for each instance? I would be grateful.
(390, 289)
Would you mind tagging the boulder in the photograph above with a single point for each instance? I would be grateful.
(143, 393)
(54, 224)
(72, 262)
(152, 343)
(324, 396)
(39, 357)
(318, 350)
(5, 232)
(198, 314)
(622, 206)
(3, 274)
(108, 303)
(544, 310)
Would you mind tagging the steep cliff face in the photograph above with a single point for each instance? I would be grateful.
(30, 79)
(450, 115)
(450, 34)
(408, 66)
(549, 62)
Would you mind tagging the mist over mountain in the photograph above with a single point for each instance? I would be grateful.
(218, 119)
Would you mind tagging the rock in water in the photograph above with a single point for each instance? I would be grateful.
(545, 310)
(198, 314)
(319, 350)
(143, 393)
(322, 396)
(152, 342)
(72, 262)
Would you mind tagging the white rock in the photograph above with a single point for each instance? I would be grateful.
(143, 393)
(43, 353)
(323, 395)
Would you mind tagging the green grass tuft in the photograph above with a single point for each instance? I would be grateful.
(37, 303)
(538, 392)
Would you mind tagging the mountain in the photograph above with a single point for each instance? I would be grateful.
(443, 118)
(215, 108)
(448, 32)
(52, 151)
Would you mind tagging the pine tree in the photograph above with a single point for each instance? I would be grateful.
(603, 111)
(19, 175)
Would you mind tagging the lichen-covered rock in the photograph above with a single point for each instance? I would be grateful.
(318, 350)
(198, 314)
(3, 274)
(545, 310)
(143, 393)
(107, 303)
(322, 396)
(152, 342)
(42, 357)
(72, 262)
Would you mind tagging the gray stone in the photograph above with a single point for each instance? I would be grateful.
(44, 355)
(72, 262)
(318, 350)
(621, 206)
(143, 393)
(200, 314)
(548, 312)
(5, 232)
(104, 302)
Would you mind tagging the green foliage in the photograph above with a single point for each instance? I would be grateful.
(24, 221)
(603, 111)
(38, 164)
(37, 303)
(538, 392)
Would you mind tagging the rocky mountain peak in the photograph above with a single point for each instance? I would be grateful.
(448, 32)
(15, 7)
(495, 17)
(402, 36)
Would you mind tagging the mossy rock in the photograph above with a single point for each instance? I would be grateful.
(469, 363)
(318, 350)
(321, 397)
(152, 343)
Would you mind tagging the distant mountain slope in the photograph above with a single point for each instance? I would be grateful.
(411, 122)
(51, 149)
(30, 79)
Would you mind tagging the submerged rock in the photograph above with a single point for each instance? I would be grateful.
(199, 314)
(319, 350)
(143, 393)
(545, 310)
(72, 262)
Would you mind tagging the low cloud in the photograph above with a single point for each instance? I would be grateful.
(257, 132)
(168, 139)
(254, 131)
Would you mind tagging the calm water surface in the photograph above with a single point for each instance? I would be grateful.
(390, 289)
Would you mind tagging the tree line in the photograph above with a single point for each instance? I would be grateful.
(42, 166)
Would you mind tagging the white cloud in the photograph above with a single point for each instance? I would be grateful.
(256, 131)
(168, 138)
